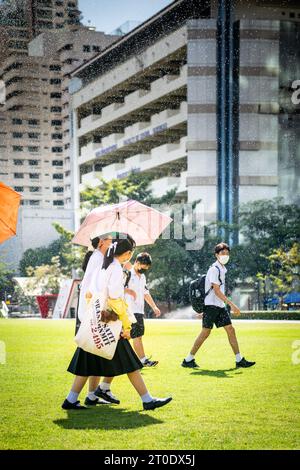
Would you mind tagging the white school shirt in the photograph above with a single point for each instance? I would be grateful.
(90, 280)
(111, 282)
(138, 284)
(212, 276)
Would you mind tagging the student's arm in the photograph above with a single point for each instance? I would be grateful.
(225, 299)
(130, 292)
(150, 301)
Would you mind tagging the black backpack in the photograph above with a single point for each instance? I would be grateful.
(197, 292)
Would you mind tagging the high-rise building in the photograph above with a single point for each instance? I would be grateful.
(34, 120)
(199, 97)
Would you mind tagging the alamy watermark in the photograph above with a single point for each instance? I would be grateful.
(2, 92)
(187, 223)
(296, 94)
(2, 353)
(296, 353)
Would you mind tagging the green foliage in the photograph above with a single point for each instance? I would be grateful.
(47, 277)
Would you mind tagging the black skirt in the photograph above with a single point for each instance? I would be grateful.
(124, 361)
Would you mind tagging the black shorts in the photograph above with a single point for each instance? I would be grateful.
(215, 315)
(138, 328)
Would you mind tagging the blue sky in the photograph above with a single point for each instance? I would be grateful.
(107, 15)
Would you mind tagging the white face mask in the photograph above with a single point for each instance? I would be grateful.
(223, 259)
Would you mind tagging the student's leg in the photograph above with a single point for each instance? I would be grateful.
(205, 332)
(189, 361)
(93, 383)
(232, 338)
(149, 402)
(241, 361)
(139, 347)
(103, 391)
(78, 384)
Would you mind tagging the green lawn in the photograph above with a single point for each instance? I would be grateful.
(216, 407)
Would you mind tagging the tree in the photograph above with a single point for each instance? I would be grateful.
(283, 270)
(47, 277)
(6, 281)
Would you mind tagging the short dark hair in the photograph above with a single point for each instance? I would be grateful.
(221, 246)
(144, 258)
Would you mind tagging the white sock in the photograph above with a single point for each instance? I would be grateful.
(146, 398)
(144, 359)
(72, 397)
(238, 357)
(105, 387)
(92, 396)
(189, 357)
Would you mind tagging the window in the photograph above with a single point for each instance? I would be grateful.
(57, 163)
(56, 136)
(33, 162)
(55, 81)
(59, 14)
(34, 203)
(17, 135)
(96, 48)
(55, 68)
(17, 121)
(19, 189)
(55, 95)
(58, 203)
(34, 189)
(58, 176)
(56, 122)
(86, 48)
(34, 176)
(58, 189)
(33, 135)
(57, 149)
(19, 162)
(17, 148)
(55, 109)
(33, 122)
(18, 176)
(33, 149)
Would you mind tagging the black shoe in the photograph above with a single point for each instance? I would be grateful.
(149, 363)
(156, 403)
(90, 402)
(244, 363)
(72, 406)
(191, 364)
(104, 395)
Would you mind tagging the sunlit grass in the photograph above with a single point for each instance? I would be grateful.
(216, 407)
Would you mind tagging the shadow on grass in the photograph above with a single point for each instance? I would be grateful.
(221, 373)
(106, 417)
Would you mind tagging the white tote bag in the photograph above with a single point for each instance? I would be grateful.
(95, 336)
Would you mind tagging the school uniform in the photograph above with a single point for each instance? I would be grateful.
(137, 306)
(111, 285)
(90, 281)
(215, 311)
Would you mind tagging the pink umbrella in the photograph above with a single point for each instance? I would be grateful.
(144, 224)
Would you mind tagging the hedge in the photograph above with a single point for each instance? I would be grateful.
(268, 315)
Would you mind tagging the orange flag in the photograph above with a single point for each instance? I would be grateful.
(9, 206)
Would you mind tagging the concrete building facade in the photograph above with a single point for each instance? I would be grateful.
(153, 103)
(35, 154)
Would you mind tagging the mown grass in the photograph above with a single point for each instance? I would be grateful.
(216, 407)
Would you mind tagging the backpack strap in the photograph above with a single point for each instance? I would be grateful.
(127, 280)
(211, 288)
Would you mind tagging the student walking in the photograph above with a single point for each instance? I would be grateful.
(92, 266)
(136, 294)
(125, 361)
(214, 309)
